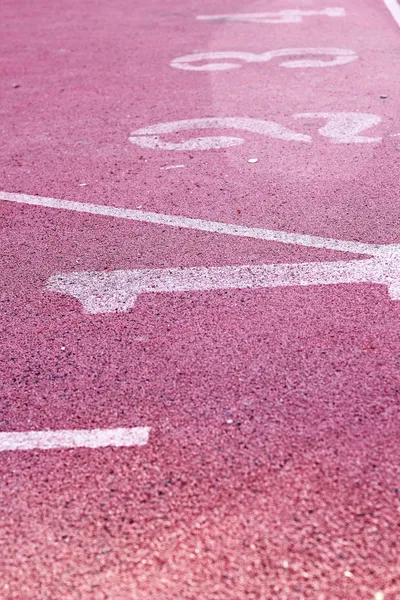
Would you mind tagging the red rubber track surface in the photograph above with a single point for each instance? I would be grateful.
(272, 466)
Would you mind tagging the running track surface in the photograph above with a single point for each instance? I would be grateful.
(271, 470)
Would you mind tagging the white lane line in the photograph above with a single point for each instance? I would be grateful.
(283, 237)
(117, 291)
(74, 438)
(394, 8)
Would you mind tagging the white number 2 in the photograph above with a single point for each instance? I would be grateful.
(341, 128)
(344, 127)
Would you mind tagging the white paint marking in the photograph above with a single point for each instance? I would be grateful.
(146, 138)
(341, 57)
(117, 291)
(74, 438)
(394, 9)
(341, 128)
(344, 127)
(172, 167)
(283, 16)
(348, 574)
(283, 237)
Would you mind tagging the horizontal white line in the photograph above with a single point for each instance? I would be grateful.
(116, 291)
(74, 438)
(394, 8)
(294, 15)
(283, 237)
(173, 167)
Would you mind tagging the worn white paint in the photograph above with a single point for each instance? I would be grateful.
(117, 291)
(186, 62)
(293, 15)
(148, 137)
(168, 167)
(341, 128)
(74, 438)
(341, 56)
(284, 237)
(394, 8)
(283, 16)
(344, 127)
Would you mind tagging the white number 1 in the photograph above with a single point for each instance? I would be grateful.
(292, 15)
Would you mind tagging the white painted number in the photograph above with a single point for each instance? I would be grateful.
(341, 128)
(148, 136)
(293, 15)
(224, 61)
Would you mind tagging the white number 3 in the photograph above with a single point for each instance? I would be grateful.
(224, 61)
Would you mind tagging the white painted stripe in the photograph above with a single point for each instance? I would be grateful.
(283, 237)
(172, 167)
(117, 291)
(294, 15)
(74, 438)
(394, 8)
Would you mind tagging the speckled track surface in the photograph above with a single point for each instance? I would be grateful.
(271, 471)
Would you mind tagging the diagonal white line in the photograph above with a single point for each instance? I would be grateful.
(283, 237)
(394, 8)
(74, 438)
